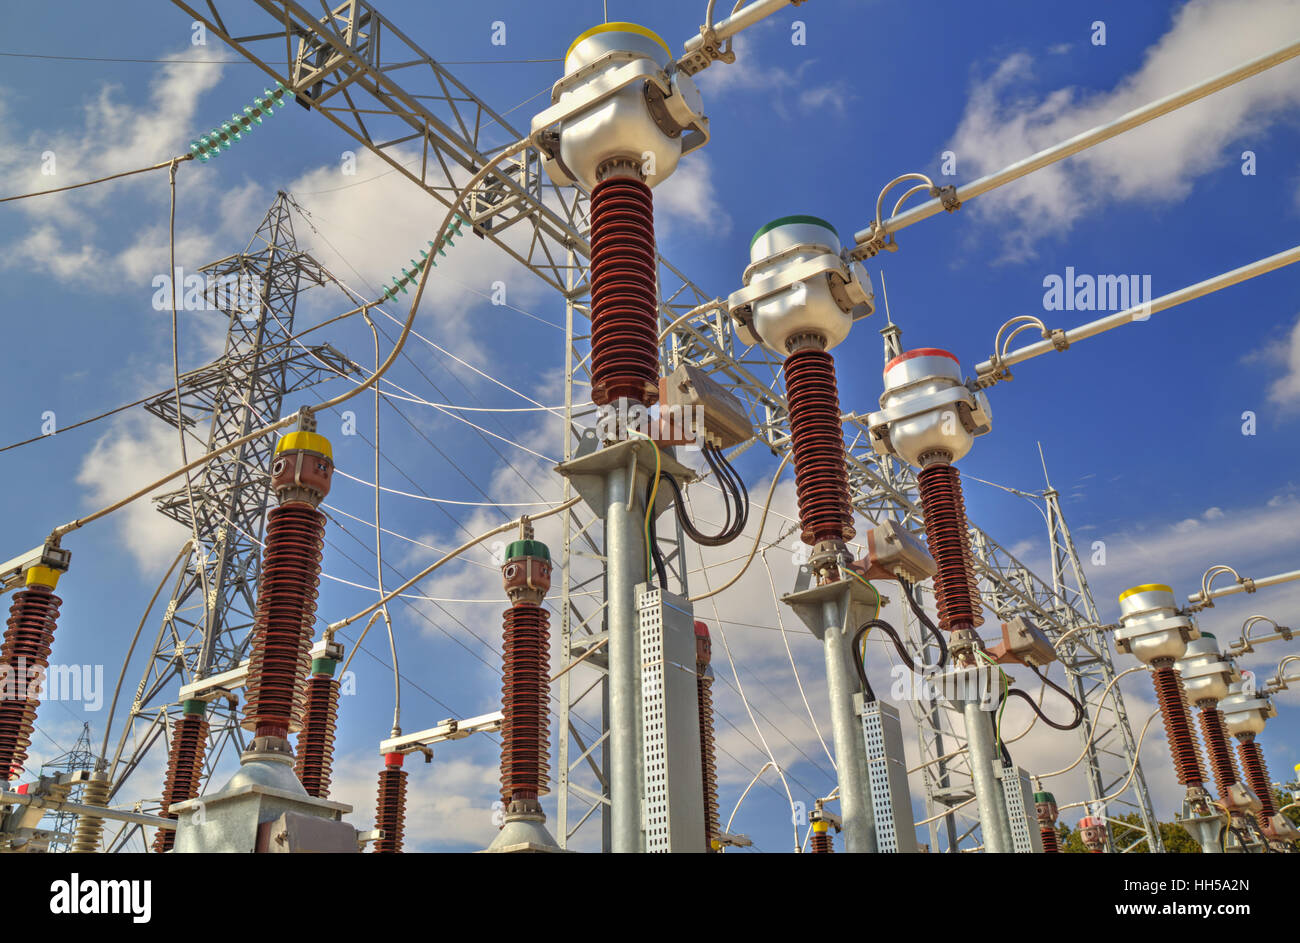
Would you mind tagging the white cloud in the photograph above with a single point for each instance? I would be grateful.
(1157, 162)
(689, 197)
(1284, 390)
(135, 451)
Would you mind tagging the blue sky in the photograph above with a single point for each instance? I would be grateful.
(1142, 428)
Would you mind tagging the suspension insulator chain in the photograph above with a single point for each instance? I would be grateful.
(1178, 729)
(1220, 754)
(315, 763)
(948, 536)
(184, 771)
(25, 654)
(624, 293)
(817, 441)
(390, 814)
(286, 611)
(525, 704)
(90, 828)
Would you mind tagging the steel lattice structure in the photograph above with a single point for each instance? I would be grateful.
(81, 758)
(256, 291)
(355, 67)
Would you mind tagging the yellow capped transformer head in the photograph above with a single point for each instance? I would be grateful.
(303, 468)
(41, 576)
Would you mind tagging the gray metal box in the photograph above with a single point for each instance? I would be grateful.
(1018, 796)
(891, 801)
(673, 807)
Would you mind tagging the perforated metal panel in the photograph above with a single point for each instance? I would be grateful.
(1018, 796)
(891, 802)
(673, 807)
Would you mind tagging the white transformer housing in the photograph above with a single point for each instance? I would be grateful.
(926, 409)
(618, 102)
(673, 817)
(1150, 626)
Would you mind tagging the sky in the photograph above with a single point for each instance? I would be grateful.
(1171, 441)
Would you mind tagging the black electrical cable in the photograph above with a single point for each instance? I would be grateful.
(1078, 708)
(727, 497)
(894, 637)
(855, 647)
(741, 490)
(910, 590)
(733, 491)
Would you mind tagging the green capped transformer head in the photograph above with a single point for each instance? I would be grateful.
(527, 571)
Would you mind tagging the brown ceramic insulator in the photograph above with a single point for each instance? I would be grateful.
(24, 656)
(1256, 773)
(821, 478)
(390, 813)
(525, 704)
(1220, 754)
(184, 771)
(1051, 843)
(708, 758)
(1178, 728)
(822, 843)
(624, 293)
(948, 536)
(90, 828)
(286, 611)
(315, 761)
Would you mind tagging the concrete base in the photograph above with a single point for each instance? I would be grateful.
(524, 834)
(260, 793)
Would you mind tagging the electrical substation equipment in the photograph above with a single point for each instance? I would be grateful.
(1156, 633)
(1245, 712)
(708, 752)
(525, 698)
(25, 650)
(1093, 832)
(929, 419)
(1207, 675)
(1046, 812)
(264, 807)
(799, 298)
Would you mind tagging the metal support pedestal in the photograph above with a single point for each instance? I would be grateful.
(611, 480)
(833, 613)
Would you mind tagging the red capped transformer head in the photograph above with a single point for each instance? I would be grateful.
(703, 645)
(527, 571)
(303, 468)
(1093, 833)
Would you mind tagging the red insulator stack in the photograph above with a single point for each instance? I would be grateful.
(817, 441)
(525, 681)
(1221, 761)
(319, 718)
(286, 599)
(624, 293)
(24, 656)
(1178, 729)
(184, 767)
(822, 843)
(1051, 843)
(948, 536)
(525, 690)
(390, 813)
(708, 754)
(1256, 772)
